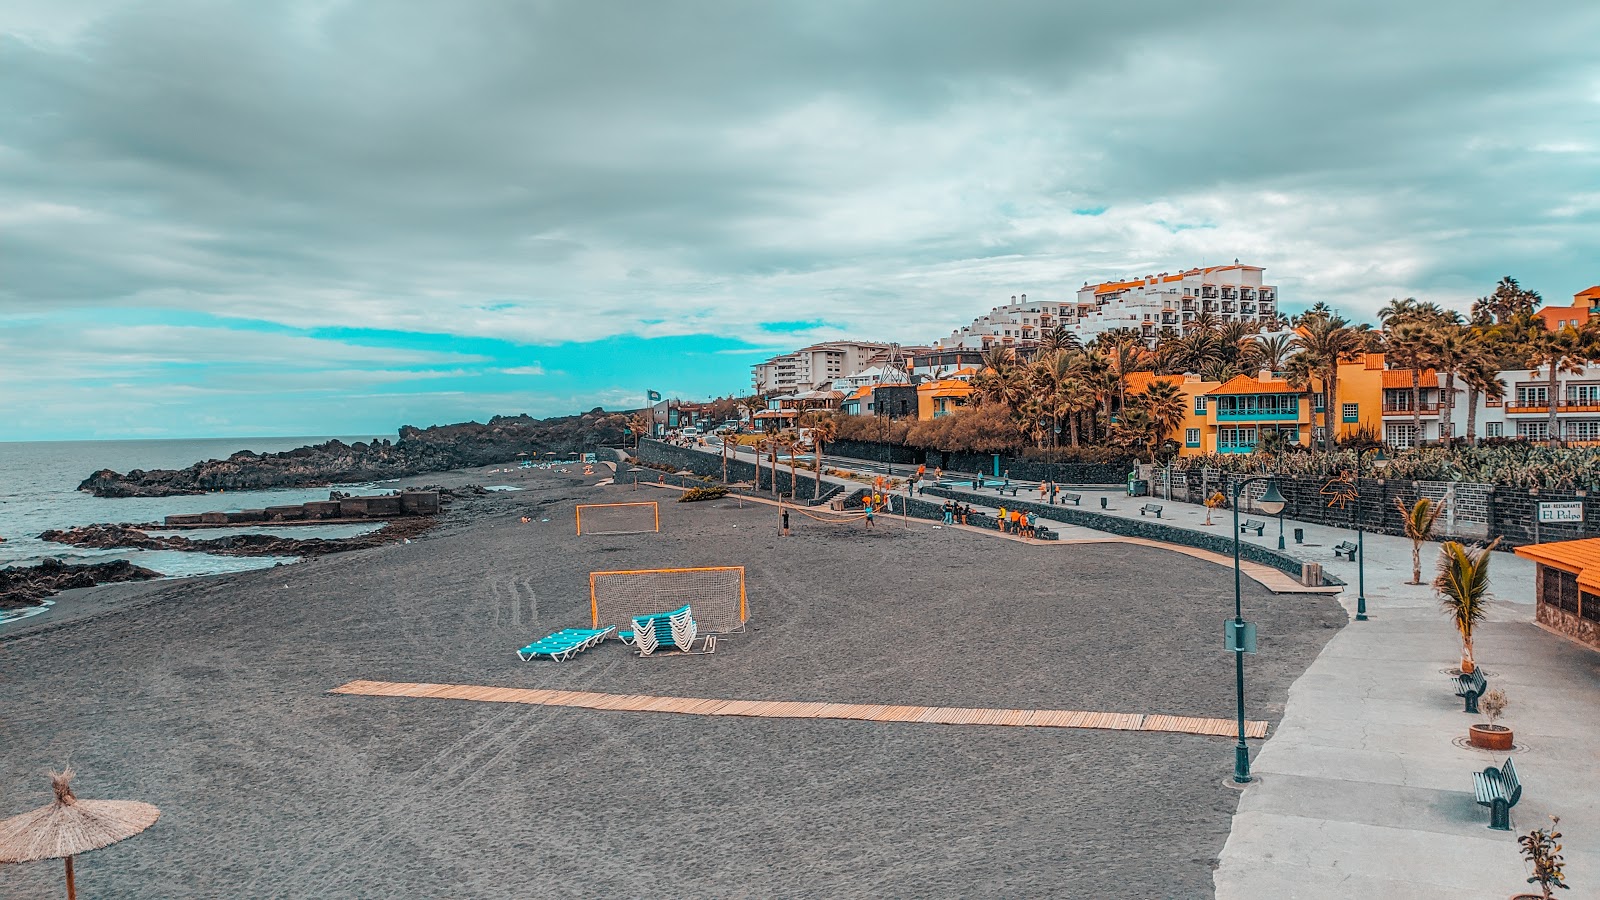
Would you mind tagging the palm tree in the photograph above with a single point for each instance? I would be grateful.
(1272, 350)
(1463, 587)
(1327, 340)
(1163, 403)
(1418, 519)
(1397, 311)
(823, 430)
(1562, 351)
(641, 424)
(1482, 378)
(1059, 338)
(1452, 348)
(1411, 343)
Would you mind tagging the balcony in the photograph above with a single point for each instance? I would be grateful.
(1210, 306)
(1169, 319)
(1247, 308)
(1258, 415)
(1404, 409)
(1188, 304)
(1268, 296)
(1528, 407)
(1246, 294)
(1227, 306)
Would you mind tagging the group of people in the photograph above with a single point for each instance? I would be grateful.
(1047, 490)
(956, 512)
(1017, 522)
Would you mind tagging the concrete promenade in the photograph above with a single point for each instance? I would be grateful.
(1365, 787)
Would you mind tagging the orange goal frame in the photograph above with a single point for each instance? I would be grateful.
(594, 600)
(655, 507)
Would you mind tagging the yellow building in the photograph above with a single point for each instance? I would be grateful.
(942, 397)
(1359, 405)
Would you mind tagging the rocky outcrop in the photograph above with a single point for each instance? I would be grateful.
(436, 449)
(29, 585)
(128, 537)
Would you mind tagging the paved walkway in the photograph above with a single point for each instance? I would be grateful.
(794, 709)
(1365, 788)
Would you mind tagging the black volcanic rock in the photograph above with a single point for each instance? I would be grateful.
(127, 537)
(29, 585)
(435, 449)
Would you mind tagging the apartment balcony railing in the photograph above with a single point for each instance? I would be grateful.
(1227, 307)
(1404, 409)
(1228, 293)
(1210, 306)
(1235, 447)
(1258, 415)
(1543, 406)
(1188, 304)
(1267, 296)
(1208, 292)
(1169, 319)
(1247, 307)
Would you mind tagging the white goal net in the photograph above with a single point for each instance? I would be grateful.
(619, 518)
(715, 596)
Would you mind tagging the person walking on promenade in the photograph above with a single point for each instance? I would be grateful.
(1044, 488)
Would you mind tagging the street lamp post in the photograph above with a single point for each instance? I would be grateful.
(1271, 503)
(1361, 539)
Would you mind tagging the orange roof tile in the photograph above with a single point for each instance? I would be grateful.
(1401, 378)
(1248, 384)
(1587, 294)
(1580, 557)
(1141, 381)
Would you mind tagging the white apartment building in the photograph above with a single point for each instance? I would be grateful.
(816, 366)
(1524, 411)
(1149, 305)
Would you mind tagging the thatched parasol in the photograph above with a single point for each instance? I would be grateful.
(68, 826)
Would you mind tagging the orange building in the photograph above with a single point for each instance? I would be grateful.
(1567, 588)
(1585, 306)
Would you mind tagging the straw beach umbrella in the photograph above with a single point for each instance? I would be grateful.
(67, 826)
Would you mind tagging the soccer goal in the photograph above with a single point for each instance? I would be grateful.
(619, 518)
(715, 596)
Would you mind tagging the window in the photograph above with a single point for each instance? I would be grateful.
(1317, 402)
(1399, 437)
(1534, 431)
(1191, 437)
(1584, 430)
(1494, 429)
(1584, 394)
(1200, 405)
(1529, 395)
(1352, 412)
(1558, 589)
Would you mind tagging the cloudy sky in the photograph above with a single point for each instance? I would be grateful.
(334, 217)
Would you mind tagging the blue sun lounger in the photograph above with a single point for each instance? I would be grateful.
(565, 644)
(663, 630)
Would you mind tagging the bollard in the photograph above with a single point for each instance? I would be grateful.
(1299, 535)
(1103, 503)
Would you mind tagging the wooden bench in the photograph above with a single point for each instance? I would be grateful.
(1151, 508)
(1077, 499)
(1253, 525)
(1345, 549)
(1499, 790)
(1470, 688)
(1001, 490)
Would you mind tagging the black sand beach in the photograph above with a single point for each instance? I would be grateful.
(208, 698)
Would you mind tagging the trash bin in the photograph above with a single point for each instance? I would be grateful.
(1299, 535)
(1103, 503)
(1138, 488)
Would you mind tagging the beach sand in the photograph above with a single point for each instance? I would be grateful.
(208, 697)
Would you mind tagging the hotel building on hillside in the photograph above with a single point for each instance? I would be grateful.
(817, 366)
(1151, 305)
(1585, 306)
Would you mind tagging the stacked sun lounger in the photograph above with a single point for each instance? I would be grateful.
(655, 631)
(566, 643)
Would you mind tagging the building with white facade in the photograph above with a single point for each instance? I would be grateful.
(1151, 305)
(1523, 412)
(817, 366)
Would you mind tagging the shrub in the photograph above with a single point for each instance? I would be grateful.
(703, 493)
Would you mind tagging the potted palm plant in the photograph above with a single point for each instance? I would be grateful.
(1491, 736)
(1462, 584)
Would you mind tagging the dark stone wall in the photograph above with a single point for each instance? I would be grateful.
(1153, 529)
(1022, 469)
(709, 465)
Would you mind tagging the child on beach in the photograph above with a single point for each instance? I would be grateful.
(870, 510)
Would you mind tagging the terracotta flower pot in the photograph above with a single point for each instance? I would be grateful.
(1490, 737)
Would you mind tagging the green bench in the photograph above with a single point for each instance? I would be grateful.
(1470, 687)
(1499, 789)
(1151, 508)
(1345, 549)
(1255, 525)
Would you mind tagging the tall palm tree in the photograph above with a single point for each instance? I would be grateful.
(1327, 340)
(1481, 375)
(1452, 347)
(824, 428)
(1271, 350)
(1163, 403)
(1396, 311)
(1418, 519)
(1462, 584)
(1561, 351)
(1059, 338)
(1411, 344)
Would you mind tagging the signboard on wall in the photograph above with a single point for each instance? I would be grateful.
(1564, 511)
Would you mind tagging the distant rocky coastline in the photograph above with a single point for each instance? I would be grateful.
(22, 586)
(419, 450)
(130, 537)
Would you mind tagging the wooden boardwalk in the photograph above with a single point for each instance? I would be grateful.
(792, 709)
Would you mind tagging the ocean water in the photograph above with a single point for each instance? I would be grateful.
(38, 492)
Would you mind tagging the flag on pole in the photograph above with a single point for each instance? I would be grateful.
(655, 396)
